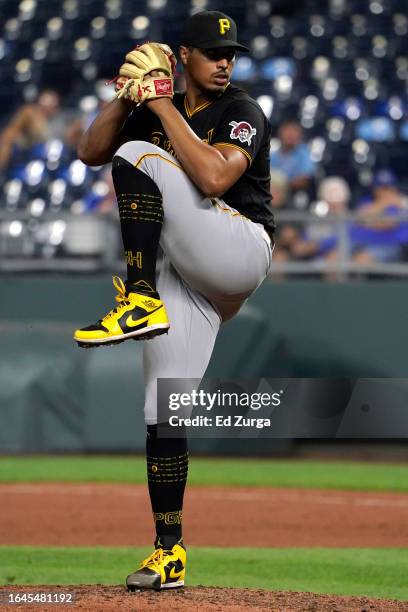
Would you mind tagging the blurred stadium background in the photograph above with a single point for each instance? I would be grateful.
(335, 74)
(338, 68)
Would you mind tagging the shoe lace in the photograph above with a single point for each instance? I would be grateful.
(121, 297)
(156, 559)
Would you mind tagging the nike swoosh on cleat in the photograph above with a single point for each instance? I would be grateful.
(174, 574)
(130, 322)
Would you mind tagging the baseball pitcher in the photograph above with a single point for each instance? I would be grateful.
(191, 175)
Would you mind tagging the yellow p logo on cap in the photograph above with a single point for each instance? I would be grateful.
(224, 25)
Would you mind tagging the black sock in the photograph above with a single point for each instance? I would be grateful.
(167, 467)
(141, 218)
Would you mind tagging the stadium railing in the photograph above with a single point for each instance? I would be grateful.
(98, 247)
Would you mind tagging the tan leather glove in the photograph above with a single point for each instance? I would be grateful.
(136, 81)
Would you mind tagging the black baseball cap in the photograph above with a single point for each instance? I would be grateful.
(211, 30)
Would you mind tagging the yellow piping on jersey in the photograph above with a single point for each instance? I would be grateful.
(228, 210)
(234, 146)
(189, 112)
(169, 161)
(213, 200)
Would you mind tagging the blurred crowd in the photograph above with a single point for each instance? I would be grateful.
(375, 232)
(330, 75)
(43, 124)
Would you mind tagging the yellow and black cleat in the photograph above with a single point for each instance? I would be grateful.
(137, 316)
(164, 569)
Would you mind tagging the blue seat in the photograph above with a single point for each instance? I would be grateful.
(245, 69)
(272, 68)
(394, 107)
(376, 129)
(351, 108)
(403, 131)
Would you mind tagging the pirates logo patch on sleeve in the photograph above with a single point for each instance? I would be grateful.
(242, 131)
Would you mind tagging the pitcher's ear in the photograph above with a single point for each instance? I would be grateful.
(184, 54)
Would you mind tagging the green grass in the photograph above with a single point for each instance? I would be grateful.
(234, 472)
(343, 571)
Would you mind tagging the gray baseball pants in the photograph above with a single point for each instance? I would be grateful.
(213, 258)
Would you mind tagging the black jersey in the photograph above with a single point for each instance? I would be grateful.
(233, 119)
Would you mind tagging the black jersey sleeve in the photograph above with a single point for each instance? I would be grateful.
(242, 126)
(138, 125)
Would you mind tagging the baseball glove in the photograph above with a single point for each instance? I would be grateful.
(147, 73)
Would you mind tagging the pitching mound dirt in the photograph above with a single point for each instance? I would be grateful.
(100, 515)
(207, 599)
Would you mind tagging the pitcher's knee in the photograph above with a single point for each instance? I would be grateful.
(134, 150)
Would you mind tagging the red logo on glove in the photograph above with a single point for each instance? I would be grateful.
(163, 86)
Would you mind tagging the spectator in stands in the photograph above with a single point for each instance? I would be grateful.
(293, 158)
(385, 197)
(384, 238)
(89, 108)
(103, 199)
(33, 124)
(286, 234)
(287, 237)
(370, 240)
(279, 189)
(320, 238)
